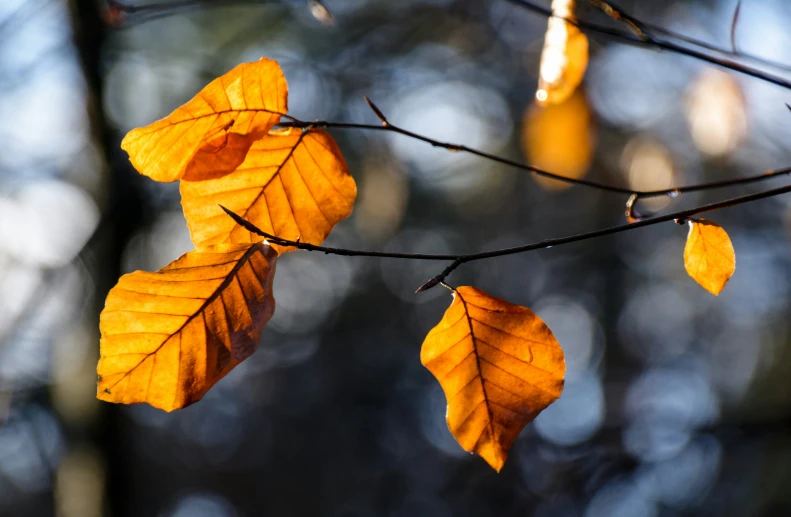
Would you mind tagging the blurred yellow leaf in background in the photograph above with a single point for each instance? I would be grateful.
(208, 137)
(564, 57)
(499, 366)
(293, 184)
(709, 257)
(559, 139)
(169, 336)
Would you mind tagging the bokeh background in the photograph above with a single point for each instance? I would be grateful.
(676, 402)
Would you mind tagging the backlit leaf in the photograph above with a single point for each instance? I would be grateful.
(169, 336)
(708, 256)
(564, 57)
(293, 184)
(499, 366)
(209, 136)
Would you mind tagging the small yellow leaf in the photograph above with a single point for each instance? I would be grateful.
(293, 184)
(564, 57)
(209, 136)
(499, 366)
(708, 256)
(169, 336)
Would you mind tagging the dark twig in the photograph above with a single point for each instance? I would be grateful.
(653, 42)
(734, 23)
(458, 260)
(672, 192)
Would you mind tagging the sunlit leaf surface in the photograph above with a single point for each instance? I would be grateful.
(499, 366)
(209, 136)
(169, 336)
(293, 184)
(709, 256)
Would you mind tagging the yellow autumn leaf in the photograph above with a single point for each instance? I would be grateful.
(209, 136)
(169, 336)
(560, 139)
(709, 257)
(564, 57)
(293, 184)
(499, 366)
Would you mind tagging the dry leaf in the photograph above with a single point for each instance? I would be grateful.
(708, 256)
(564, 57)
(169, 336)
(559, 139)
(209, 136)
(499, 366)
(293, 184)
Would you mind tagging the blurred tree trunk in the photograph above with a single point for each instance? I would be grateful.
(121, 218)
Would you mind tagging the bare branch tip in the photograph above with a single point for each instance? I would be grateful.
(376, 111)
(432, 282)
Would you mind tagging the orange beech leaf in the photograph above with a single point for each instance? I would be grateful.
(169, 336)
(499, 366)
(209, 136)
(293, 184)
(708, 256)
(564, 57)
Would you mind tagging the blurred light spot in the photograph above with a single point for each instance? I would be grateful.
(18, 283)
(80, 483)
(654, 441)
(156, 247)
(201, 504)
(648, 166)
(452, 112)
(46, 120)
(664, 405)
(620, 498)
(733, 356)
(33, 228)
(382, 201)
(576, 415)
(630, 87)
(716, 113)
(287, 351)
(308, 287)
(683, 480)
(30, 446)
(576, 331)
(559, 139)
(131, 94)
(312, 93)
(679, 396)
(656, 322)
(48, 308)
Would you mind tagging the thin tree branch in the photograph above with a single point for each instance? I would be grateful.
(458, 260)
(652, 41)
(642, 194)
